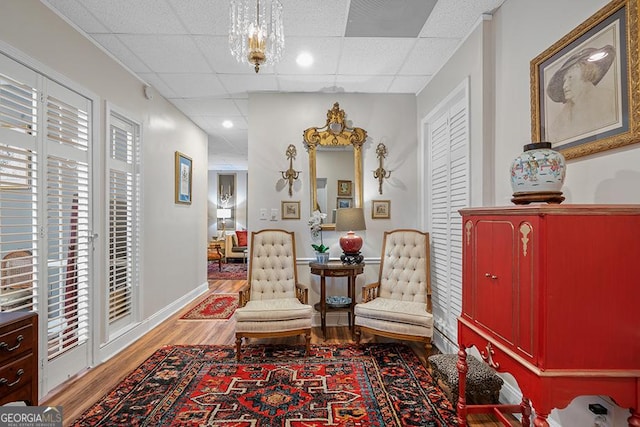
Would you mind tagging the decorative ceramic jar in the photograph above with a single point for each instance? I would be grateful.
(322, 257)
(351, 243)
(537, 174)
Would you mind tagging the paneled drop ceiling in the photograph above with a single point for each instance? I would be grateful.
(180, 48)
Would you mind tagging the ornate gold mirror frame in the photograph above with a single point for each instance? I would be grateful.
(335, 133)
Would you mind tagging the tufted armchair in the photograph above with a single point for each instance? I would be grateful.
(399, 304)
(273, 304)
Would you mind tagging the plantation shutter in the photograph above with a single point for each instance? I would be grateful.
(123, 220)
(449, 191)
(67, 200)
(19, 182)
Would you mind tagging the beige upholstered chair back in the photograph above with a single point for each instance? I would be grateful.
(405, 266)
(272, 267)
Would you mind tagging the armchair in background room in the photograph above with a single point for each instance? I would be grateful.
(273, 304)
(236, 244)
(398, 305)
(214, 254)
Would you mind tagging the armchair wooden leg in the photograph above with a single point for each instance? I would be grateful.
(307, 339)
(238, 345)
(428, 347)
(357, 334)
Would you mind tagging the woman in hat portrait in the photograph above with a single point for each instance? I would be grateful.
(587, 106)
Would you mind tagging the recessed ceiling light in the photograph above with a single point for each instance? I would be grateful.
(304, 59)
(227, 124)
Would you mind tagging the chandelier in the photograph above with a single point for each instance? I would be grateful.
(255, 33)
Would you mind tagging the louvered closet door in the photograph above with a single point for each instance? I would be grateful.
(67, 200)
(448, 163)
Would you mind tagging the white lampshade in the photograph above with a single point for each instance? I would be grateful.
(223, 213)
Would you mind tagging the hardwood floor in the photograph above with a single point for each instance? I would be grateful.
(79, 393)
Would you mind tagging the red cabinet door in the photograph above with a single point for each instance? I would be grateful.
(493, 277)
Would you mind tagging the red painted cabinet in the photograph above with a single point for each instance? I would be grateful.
(551, 295)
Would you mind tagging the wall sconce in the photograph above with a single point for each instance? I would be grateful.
(290, 174)
(380, 174)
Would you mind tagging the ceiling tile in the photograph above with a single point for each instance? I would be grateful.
(135, 17)
(326, 18)
(209, 17)
(379, 18)
(119, 50)
(208, 106)
(408, 84)
(193, 85)
(325, 52)
(167, 54)
(364, 84)
(455, 18)
(78, 14)
(257, 83)
(428, 56)
(297, 83)
(374, 56)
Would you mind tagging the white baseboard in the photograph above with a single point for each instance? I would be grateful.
(138, 330)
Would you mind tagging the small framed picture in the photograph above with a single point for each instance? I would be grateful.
(344, 188)
(183, 178)
(290, 210)
(344, 202)
(380, 209)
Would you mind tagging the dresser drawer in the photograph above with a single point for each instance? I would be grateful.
(15, 374)
(16, 341)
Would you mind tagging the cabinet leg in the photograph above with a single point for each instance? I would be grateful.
(462, 379)
(634, 419)
(525, 408)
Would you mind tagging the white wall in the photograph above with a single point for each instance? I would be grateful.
(174, 236)
(496, 57)
(278, 120)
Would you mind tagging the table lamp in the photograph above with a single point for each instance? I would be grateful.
(224, 214)
(349, 219)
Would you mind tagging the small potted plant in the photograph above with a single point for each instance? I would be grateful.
(315, 225)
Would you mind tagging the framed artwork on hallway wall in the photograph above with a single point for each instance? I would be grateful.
(380, 209)
(290, 210)
(183, 175)
(585, 88)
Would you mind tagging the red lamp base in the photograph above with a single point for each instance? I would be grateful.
(351, 243)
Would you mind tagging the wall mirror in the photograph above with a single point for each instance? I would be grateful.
(335, 165)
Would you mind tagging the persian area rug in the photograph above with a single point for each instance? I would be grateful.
(215, 306)
(372, 385)
(230, 271)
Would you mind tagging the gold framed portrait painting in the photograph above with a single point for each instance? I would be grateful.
(585, 87)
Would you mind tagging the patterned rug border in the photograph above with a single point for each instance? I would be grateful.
(199, 312)
(415, 400)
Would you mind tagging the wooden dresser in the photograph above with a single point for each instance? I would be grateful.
(551, 294)
(19, 357)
